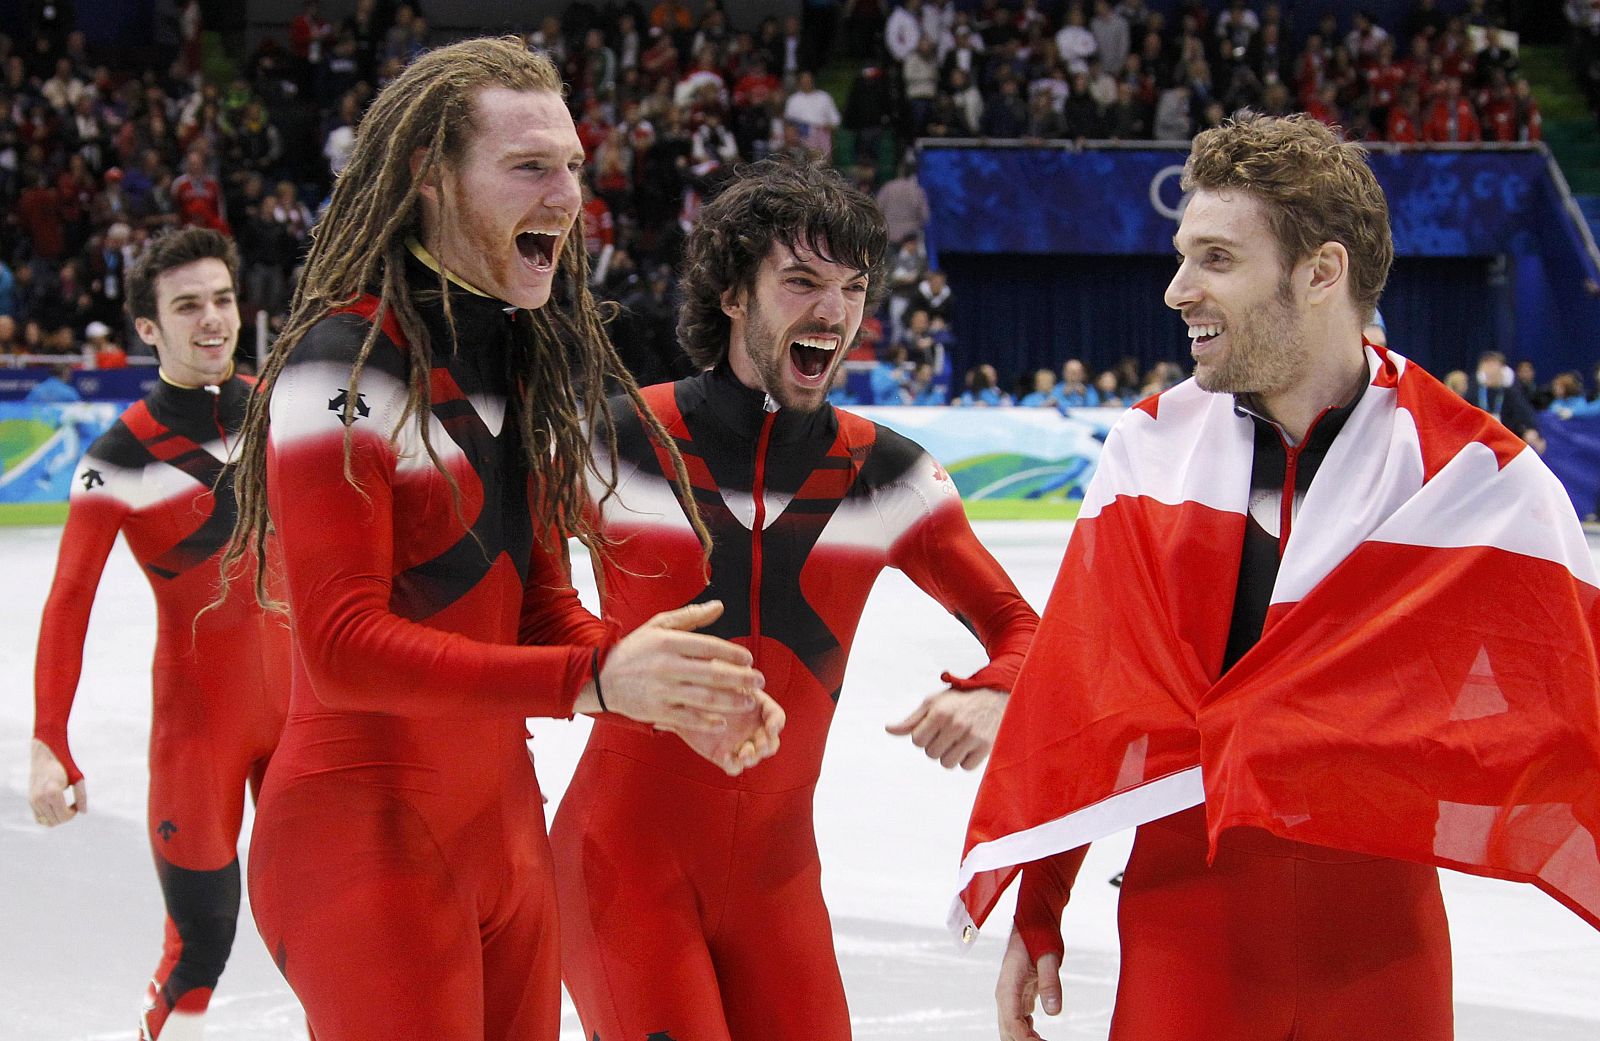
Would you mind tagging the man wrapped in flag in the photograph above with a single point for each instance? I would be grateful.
(1278, 645)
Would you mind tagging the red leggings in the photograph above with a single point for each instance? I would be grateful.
(213, 730)
(692, 911)
(1277, 941)
(398, 906)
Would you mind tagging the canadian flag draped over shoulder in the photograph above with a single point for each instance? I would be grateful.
(1426, 686)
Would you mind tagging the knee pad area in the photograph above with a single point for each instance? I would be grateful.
(204, 908)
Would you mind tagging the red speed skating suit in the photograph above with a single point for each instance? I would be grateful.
(400, 871)
(691, 901)
(220, 677)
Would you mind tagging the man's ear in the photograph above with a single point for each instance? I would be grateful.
(428, 189)
(1330, 268)
(732, 301)
(148, 331)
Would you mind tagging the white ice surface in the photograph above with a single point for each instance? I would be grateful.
(80, 912)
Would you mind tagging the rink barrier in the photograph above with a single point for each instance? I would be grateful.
(1573, 454)
(40, 445)
(1008, 463)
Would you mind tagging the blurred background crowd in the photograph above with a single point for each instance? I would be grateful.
(98, 153)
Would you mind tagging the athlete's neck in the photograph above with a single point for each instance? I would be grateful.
(421, 252)
(1335, 377)
(169, 381)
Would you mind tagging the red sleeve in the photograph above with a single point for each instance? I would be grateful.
(551, 612)
(93, 520)
(1041, 897)
(941, 554)
(338, 549)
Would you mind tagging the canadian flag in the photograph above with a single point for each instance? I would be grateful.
(1426, 686)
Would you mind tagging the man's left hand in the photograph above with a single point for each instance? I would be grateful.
(956, 727)
(747, 738)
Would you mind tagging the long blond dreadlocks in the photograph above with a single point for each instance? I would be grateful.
(558, 375)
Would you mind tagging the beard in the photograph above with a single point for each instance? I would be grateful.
(768, 351)
(1267, 352)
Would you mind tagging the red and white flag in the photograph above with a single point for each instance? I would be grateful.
(1426, 686)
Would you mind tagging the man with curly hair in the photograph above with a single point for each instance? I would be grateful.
(1306, 692)
(691, 903)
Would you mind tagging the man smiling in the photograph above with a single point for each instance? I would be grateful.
(221, 677)
(1305, 692)
(691, 904)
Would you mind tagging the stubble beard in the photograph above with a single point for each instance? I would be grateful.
(1267, 353)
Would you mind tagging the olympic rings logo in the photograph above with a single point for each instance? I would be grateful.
(1160, 205)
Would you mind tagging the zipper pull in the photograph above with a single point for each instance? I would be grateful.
(769, 404)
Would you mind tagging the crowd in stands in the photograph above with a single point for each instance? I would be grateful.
(96, 158)
(1115, 69)
(901, 380)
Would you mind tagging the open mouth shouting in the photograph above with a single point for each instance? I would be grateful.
(811, 357)
(538, 249)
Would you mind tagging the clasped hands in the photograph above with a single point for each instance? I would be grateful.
(697, 686)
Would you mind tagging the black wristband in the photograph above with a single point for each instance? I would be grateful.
(594, 661)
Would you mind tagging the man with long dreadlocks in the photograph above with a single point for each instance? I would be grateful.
(691, 902)
(419, 441)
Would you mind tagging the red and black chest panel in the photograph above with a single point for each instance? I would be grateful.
(783, 494)
(447, 540)
(163, 459)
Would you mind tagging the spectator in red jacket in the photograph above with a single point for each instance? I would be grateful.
(1499, 111)
(39, 214)
(1415, 65)
(197, 196)
(1383, 78)
(1529, 125)
(1405, 117)
(309, 34)
(1451, 118)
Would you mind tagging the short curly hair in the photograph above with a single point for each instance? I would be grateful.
(1316, 189)
(781, 199)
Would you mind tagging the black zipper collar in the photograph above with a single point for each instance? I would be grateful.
(743, 410)
(1323, 429)
(195, 412)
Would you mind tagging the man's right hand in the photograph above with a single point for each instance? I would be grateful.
(1022, 982)
(665, 674)
(47, 789)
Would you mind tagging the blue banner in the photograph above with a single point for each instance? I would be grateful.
(1573, 455)
(1128, 201)
(123, 385)
(40, 446)
(993, 208)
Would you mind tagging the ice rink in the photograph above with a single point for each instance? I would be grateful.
(80, 913)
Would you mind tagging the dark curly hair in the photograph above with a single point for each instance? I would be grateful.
(781, 199)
